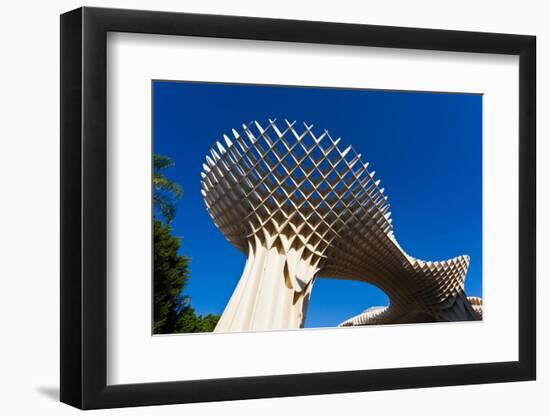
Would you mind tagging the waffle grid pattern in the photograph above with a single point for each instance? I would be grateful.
(318, 203)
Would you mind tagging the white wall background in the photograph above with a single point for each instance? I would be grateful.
(29, 225)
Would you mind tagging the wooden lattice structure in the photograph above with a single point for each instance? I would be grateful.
(302, 206)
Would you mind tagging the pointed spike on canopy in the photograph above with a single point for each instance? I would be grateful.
(249, 134)
(320, 138)
(308, 127)
(220, 147)
(259, 127)
(353, 162)
(277, 131)
(228, 141)
(346, 151)
(214, 154)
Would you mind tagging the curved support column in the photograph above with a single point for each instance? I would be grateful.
(272, 293)
(461, 309)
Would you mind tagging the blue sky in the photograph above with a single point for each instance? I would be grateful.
(425, 147)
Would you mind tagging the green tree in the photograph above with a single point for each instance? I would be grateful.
(189, 322)
(165, 191)
(172, 310)
(171, 273)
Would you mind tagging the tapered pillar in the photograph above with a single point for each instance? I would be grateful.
(273, 291)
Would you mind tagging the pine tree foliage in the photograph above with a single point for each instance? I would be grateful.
(171, 272)
(172, 312)
(165, 191)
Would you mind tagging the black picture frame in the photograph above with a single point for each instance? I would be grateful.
(84, 207)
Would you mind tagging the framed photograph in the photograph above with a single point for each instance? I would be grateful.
(256, 208)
